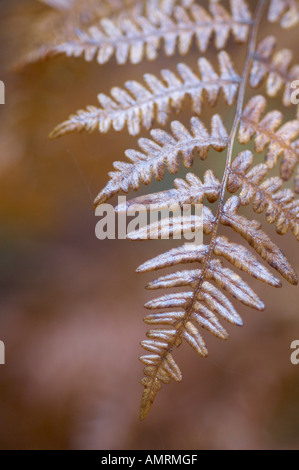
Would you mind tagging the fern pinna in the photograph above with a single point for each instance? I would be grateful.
(132, 31)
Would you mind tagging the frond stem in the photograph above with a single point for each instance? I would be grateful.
(240, 103)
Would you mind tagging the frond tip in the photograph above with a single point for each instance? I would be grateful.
(139, 36)
(266, 195)
(164, 149)
(267, 135)
(251, 231)
(285, 11)
(274, 67)
(138, 105)
(191, 191)
(129, 31)
(183, 315)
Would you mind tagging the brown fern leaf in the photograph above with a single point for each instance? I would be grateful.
(61, 23)
(164, 149)
(275, 68)
(250, 231)
(205, 300)
(239, 257)
(138, 105)
(200, 308)
(279, 142)
(191, 191)
(139, 36)
(285, 11)
(265, 194)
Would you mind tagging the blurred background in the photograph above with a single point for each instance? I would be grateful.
(71, 306)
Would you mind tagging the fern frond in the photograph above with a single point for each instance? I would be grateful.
(278, 141)
(164, 149)
(191, 191)
(251, 232)
(276, 68)
(138, 105)
(237, 255)
(136, 37)
(200, 306)
(60, 24)
(285, 11)
(138, 31)
(265, 194)
(223, 277)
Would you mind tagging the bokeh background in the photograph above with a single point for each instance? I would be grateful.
(71, 306)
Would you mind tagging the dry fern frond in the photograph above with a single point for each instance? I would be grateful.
(210, 283)
(67, 17)
(285, 11)
(138, 105)
(61, 23)
(266, 132)
(191, 191)
(237, 255)
(264, 194)
(164, 149)
(250, 231)
(139, 36)
(275, 68)
(199, 307)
